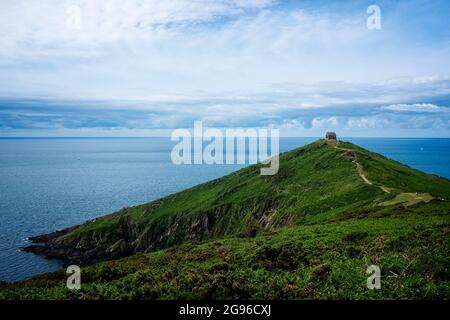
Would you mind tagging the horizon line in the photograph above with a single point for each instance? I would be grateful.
(168, 137)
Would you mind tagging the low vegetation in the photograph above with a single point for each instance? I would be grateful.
(309, 232)
(409, 199)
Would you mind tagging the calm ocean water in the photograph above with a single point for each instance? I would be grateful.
(49, 184)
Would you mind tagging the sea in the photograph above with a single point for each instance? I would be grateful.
(48, 184)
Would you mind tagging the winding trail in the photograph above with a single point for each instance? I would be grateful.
(359, 167)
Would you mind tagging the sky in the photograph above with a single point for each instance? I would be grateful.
(145, 68)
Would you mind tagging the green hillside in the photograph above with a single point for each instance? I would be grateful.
(309, 231)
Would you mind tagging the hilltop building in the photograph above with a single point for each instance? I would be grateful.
(331, 136)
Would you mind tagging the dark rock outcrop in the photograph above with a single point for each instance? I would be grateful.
(130, 239)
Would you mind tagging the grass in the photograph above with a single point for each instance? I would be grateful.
(308, 232)
(321, 261)
(408, 199)
(312, 181)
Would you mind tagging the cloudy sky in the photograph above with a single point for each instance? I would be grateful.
(143, 68)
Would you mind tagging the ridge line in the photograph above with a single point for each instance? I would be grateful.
(359, 167)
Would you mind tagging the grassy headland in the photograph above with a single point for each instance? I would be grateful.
(309, 231)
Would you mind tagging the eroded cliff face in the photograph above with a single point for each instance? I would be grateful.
(131, 237)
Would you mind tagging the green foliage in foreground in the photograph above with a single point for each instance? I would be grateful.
(321, 261)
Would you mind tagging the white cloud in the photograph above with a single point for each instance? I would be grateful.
(291, 124)
(416, 107)
(367, 122)
(135, 48)
(324, 122)
(236, 62)
(32, 27)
